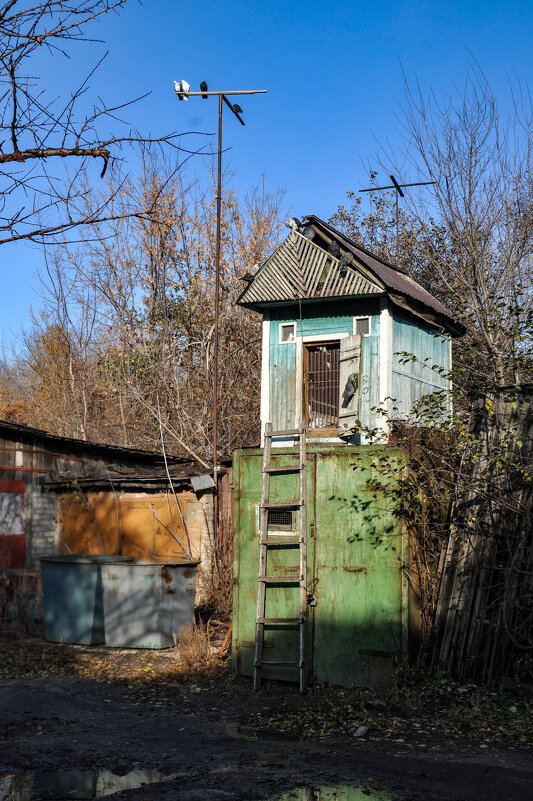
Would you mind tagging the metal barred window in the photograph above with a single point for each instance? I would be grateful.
(323, 385)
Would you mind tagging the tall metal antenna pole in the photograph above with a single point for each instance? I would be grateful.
(398, 190)
(217, 288)
(183, 91)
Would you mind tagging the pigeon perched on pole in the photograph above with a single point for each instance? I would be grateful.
(203, 88)
(182, 89)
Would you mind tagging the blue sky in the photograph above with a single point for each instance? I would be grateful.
(334, 80)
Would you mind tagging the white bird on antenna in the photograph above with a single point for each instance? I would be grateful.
(182, 89)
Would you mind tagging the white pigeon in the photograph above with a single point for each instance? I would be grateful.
(293, 224)
(182, 89)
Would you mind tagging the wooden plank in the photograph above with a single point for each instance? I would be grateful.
(295, 468)
(273, 541)
(265, 487)
(303, 560)
(281, 505)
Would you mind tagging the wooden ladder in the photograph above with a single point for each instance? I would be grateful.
(298, 540)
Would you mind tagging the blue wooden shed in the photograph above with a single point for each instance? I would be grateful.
(350, 342)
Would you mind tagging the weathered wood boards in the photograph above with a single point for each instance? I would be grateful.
(484, 621)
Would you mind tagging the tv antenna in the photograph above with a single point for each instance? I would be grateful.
(183, 91)
(398, 189)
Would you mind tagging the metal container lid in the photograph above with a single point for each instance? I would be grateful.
(85, 559)
(166, 563)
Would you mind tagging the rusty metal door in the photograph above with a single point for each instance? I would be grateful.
(354, 565)
(360, 620)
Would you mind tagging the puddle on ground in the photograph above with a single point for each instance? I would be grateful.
(63, 784)
(343, 792)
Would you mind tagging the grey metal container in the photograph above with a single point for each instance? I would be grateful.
(146, 603)
(73, 599)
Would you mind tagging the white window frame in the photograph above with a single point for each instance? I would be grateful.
(288, 341)
(363, 317)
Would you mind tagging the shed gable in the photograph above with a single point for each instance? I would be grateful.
(301, 270)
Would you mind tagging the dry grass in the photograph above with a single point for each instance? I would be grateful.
(217, 584)
(194, 650)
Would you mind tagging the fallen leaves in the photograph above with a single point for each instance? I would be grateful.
(132, 667)
(409, 720)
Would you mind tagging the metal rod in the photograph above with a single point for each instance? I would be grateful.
(397, 185)
(392, 186)
(232, 92)
(398, 191)
(397, 229)
(221, 99)
(217, 289)
(228, 104)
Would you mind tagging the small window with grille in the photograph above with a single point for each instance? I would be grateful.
(281, 520)
(362, 326)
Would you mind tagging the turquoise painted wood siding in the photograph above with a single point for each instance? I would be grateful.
(369, 389)
(283, 393)
(423, 375)
(321, 320)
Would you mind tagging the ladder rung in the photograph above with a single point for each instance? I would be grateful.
(288, 468)
(294, 620)
(281, 541)
(277, 664)
(280, 579)
(280, 504)
(285, 433)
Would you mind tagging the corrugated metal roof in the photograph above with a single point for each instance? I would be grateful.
(392, 278)
(137, 482)
(301, 270)
(23, 432)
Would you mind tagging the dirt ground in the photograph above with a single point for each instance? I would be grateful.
(92, 710)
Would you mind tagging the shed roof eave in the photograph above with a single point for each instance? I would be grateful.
(261, 306)
(135, 483)
(24, 432)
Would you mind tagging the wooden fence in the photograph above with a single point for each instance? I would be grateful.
(484, 617)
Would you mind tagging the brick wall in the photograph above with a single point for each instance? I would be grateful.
(42, 532)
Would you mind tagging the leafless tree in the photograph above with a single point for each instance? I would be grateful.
(476, 229)
(124, 345)
(41, 197)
